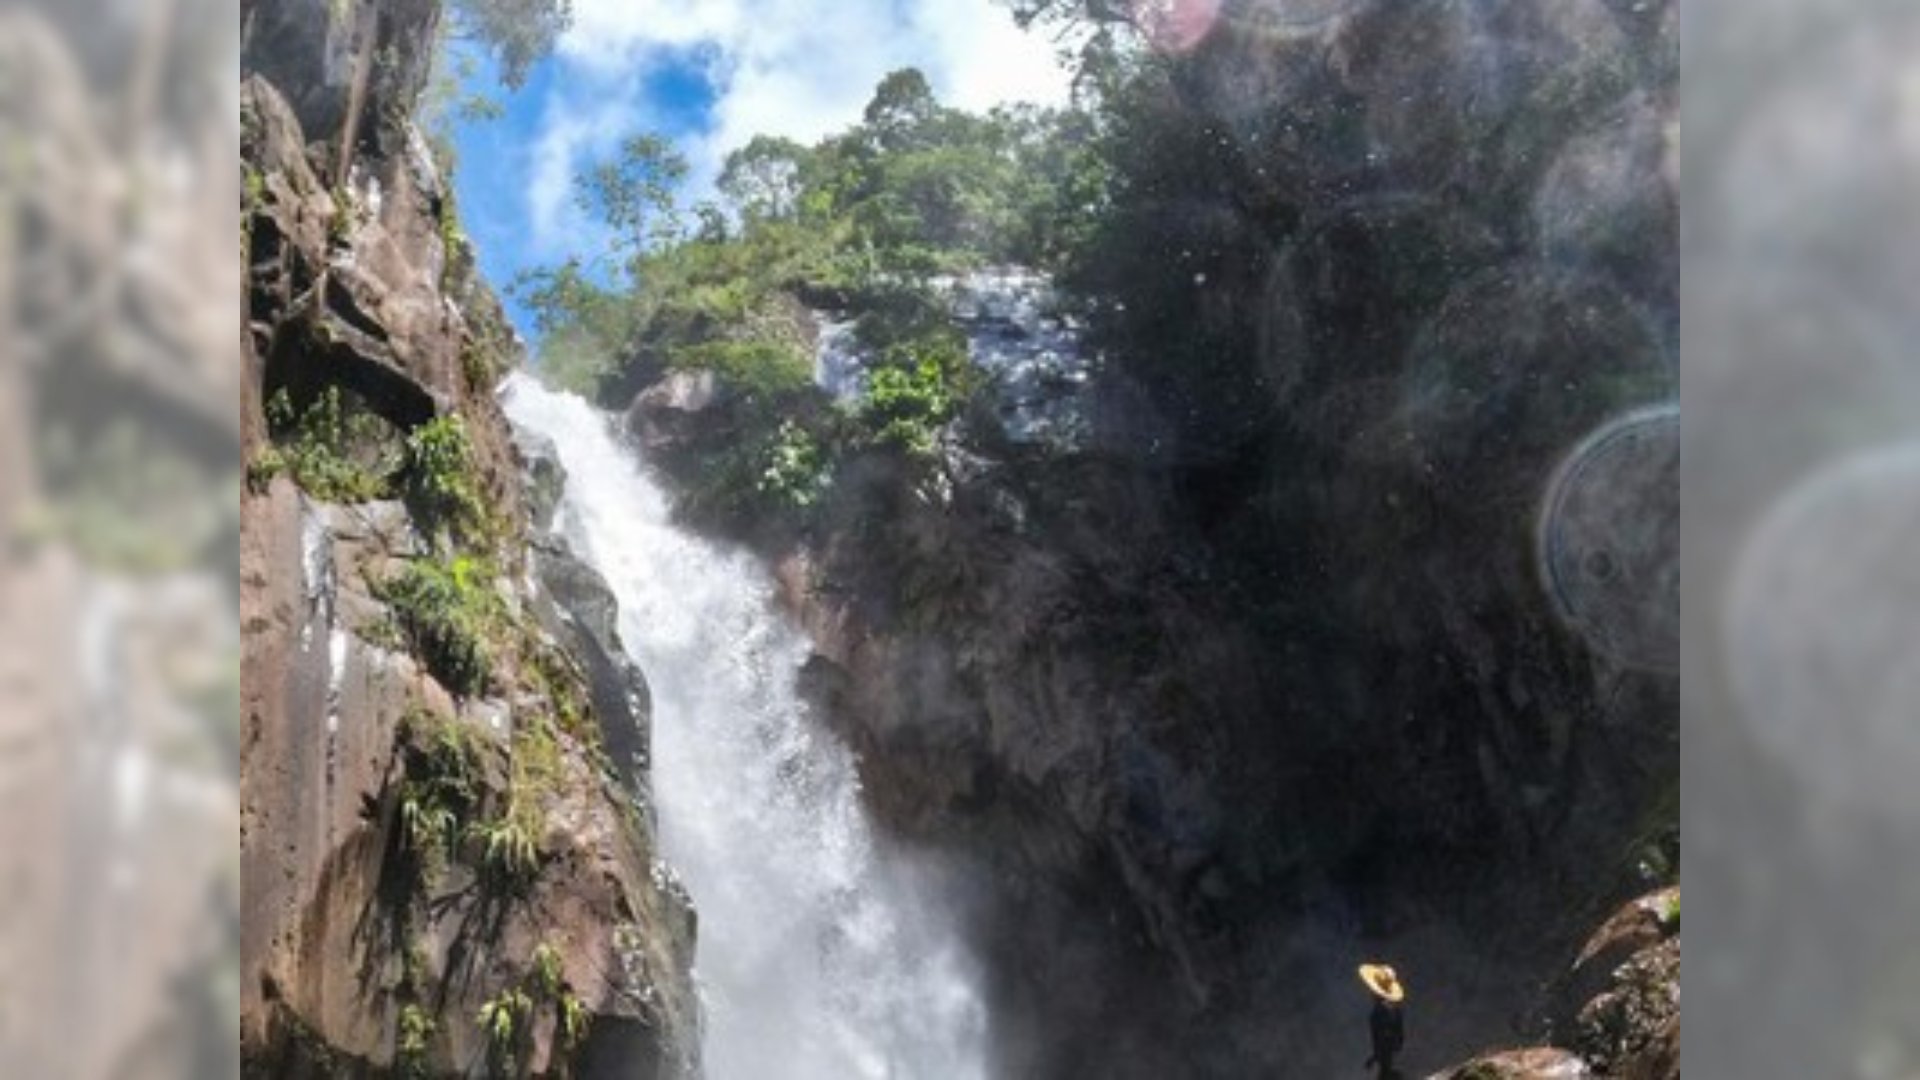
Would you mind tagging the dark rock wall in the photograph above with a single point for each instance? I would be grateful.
(1369, 651)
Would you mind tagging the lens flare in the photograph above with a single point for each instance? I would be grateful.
(1176, 26)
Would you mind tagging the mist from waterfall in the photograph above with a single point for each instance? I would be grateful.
(822, 954)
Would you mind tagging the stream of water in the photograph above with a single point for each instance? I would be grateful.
(822, 953)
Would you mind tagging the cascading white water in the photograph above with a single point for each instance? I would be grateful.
(822, 954)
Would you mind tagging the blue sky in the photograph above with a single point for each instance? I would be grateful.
(711, 74)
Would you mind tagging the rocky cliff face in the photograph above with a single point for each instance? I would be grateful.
(1615, 1011)
(1369, 649)
(447, 851)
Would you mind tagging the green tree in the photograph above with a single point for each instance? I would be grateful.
(635, 193)
(517, 32)
(583, 326)
(902, 110)
(762, 180)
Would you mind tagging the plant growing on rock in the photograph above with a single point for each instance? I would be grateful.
(573, 1019)
(510, 846)
(503, 1018)
(334, 449)
(547, 978)
(450, 614)
(913, 392)
(442, 481)
(796, 471)
(442, 784)
(413, 1035)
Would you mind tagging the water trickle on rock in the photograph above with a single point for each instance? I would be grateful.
(822, 952)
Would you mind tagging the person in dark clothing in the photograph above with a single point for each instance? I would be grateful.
(1388, 1024)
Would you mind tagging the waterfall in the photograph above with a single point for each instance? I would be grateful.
(822, 953)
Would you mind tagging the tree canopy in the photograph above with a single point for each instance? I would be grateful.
(518, 33)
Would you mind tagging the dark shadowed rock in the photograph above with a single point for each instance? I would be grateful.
(668, 415)
(579, 608)
(546, 477)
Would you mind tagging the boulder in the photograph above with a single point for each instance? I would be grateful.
(1539, 1063)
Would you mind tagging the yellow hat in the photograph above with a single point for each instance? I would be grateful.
(1381, 980)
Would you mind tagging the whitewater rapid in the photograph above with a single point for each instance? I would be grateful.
(822, 953)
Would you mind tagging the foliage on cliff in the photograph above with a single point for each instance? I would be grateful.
(858, 222)
(444, 871)
(916, 188)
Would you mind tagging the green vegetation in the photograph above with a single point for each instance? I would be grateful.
(517, 33)
(442, 483)
(510, 845)
(507, 1017)
(334, 448)
(915, 388)
(796, 468)
(414, 1034)
(503, 1017)
(1670, 910)
(573, 1019)
(861, 217)
(450, 615)
(860, 221)
(442, 788)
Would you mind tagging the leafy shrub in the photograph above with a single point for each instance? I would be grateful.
(796, 471)
(442, 785)
(413, 1034)
(502, 1018)
(335, 450)
(755, 366)
(449, 614)
(441, 480)
(913, 391)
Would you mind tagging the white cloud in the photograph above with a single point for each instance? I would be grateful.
(799, 68)
(571, 129)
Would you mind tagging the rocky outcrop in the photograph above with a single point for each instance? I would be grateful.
(1532, 1064)
(1365, 645)
(1616, 1008)
(447, 853)
(577, 606)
